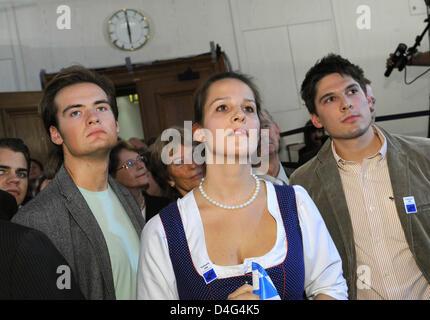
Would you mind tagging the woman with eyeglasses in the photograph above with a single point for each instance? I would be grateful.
(129, 168)
(180, 174)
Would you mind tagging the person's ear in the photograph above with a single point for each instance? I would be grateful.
(278, 135)
(316, 121)
(56, 137)
(171, 182)
(117, 126)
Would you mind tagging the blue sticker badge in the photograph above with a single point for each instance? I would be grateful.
(208, 272)
(210, 276)
(410, 205)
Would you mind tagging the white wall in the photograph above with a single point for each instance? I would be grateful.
(392, 22)
(275, 41)
(178, 28)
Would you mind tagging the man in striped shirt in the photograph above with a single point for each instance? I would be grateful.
(371, 187)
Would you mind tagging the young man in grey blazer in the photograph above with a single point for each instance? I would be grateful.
(371, 187)
(92, 220)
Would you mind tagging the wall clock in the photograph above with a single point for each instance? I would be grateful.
(128, 29)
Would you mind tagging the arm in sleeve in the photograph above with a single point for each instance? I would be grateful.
(39, 271)
(323, 265)
(155, 275)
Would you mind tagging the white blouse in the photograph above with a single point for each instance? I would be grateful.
(323, 266)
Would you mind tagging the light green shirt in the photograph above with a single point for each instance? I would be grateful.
(121, 239)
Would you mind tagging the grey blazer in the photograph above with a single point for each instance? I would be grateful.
(61, 212)
(408, 160)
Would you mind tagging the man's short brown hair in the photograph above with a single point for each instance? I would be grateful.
(67, 77)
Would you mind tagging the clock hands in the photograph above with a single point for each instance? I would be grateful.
(128, 27)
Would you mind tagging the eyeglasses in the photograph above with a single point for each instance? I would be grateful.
(131, 163)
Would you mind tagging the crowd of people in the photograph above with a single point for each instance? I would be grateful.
(121, 222)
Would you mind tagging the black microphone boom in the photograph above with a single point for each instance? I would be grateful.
(400, 57)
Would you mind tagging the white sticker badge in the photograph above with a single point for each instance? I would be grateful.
(410, 205)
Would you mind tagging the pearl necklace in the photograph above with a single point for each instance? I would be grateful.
(257, 189)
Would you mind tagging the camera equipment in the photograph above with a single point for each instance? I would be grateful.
(400, 58)
(398, 55)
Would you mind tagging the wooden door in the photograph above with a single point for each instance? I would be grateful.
(19, 118)
(166, 94)
(164, 103)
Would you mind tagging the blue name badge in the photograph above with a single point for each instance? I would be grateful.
(410, 205)
(208, 272)
(209, 276)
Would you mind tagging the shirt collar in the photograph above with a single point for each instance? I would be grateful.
(281, 179)
(382, 151)
(282, 175)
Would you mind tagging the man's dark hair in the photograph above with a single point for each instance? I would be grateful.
(330, 64)
(16, 145)
(67, 77)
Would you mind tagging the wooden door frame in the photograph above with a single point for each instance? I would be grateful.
(123, 76)
(131, 76)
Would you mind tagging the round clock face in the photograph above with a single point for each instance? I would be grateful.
(128, 29)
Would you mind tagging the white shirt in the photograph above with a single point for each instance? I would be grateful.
(323, 266)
